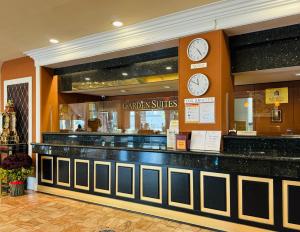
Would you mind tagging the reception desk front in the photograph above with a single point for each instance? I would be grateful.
(229, 191)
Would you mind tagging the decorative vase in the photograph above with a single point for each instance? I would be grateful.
(16, 188)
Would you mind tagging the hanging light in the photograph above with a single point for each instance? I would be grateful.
(246, 104)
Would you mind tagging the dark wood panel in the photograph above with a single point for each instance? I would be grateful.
(102, 177)
(82, 175)
(215, 193)
(151, 183)
(294, 204)
(125, 177)
(256, 199)
(180, 188)
(47, 165)
(63, 171)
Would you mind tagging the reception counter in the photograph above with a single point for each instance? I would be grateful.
(231, 191)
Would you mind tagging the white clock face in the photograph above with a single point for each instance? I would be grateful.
(198, 84)
(197, 49)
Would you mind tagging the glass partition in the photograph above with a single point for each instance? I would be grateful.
(268, 108)
(142, 116)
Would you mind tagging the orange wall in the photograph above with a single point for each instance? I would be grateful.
(218, 73)
(20, 68)
(49, 101)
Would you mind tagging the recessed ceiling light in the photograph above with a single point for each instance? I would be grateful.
(117, 24)
(167, 87)
(87, 79)
(54, 41)
(168, 67)
(125, 74)
(297, 74)
(123, 91)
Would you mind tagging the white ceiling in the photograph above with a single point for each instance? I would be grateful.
(27, 25)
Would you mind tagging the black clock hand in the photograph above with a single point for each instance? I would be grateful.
(197, 83)
(199, 51)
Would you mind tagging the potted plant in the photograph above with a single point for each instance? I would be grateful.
(15, 169)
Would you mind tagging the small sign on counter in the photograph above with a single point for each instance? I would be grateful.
(181, 142)
(206, 141)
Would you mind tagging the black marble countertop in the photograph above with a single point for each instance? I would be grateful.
(101, 134)
(263, 137)
(158, 149)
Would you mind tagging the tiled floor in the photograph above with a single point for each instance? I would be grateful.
(42, 213)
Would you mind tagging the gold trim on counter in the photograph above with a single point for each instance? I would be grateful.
(215, 211)
(285, 204)
(269, 220)
(176, 204)
(88, 177)
(133, 180)
(57, 172)
(109, 177)
(42, 170)
(150, 199)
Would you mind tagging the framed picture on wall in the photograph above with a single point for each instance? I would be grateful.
(276, 115)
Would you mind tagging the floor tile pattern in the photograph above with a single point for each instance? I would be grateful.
(45, 213)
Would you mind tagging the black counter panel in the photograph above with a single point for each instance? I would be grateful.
(237, 186)
(82, 174)
(125, 177)
(255, 199)
(180, 188)
(214, 191)
(151, 183)
(102, 177)
(47, 169)
(294, 204)
(63, 172)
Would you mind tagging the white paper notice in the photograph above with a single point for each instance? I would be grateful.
(174, 124)
(207, 112)
(192, 113)
(198, 140)
(171, 138)
(213, 140)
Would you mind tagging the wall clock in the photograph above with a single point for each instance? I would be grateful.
(197, 49)
(198, 84)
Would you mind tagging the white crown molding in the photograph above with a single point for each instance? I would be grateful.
(220, 15)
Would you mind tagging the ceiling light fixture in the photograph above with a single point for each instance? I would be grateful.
(53, 41)
(87, 79)
(168, 67)
(123, 91)
(297, 74)
(125, 74)
(117, 24)
(167, 87)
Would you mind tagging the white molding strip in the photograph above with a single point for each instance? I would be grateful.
(37, 114)
(38, 103)
(220, 15)
(21, 81)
